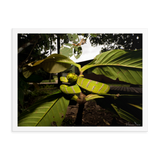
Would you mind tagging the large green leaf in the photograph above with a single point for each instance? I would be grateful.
(127, 107)
(52, 63)
(125, 65)
(55, 63)
(68, 61)
(126, 115)
(50, 110)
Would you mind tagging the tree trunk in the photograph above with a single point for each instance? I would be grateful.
(78, 121)
(58, 49)
(50, 77)
(50, 54)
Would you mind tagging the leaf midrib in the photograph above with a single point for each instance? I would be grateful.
(105, 65)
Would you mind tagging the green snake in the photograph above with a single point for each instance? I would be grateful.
(80, 82)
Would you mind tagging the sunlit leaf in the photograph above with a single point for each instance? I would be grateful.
(55, 63)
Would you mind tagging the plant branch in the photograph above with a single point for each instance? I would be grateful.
(81, 101)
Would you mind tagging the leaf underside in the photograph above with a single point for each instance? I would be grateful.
(124, 65)
(55, 63)
(45, 112)
(126, 115)
(127, 107)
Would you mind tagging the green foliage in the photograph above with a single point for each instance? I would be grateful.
(120, 106)
(73, 37)
(77, 51)
(50, 110)
(126, 115)
(55, 63)
(66, 50)
(116, 41)
(34, 46)
(69, 50)
(125, 65)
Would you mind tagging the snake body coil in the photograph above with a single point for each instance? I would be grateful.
(93, 86)
(87, 84)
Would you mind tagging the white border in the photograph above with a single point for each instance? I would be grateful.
(144, 31)
(79, 30)
(9, 79)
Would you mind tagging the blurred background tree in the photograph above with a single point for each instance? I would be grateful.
(117, 41)
(32, 47)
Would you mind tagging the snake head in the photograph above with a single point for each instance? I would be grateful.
(72, 77)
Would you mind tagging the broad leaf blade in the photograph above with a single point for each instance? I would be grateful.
(69, 61)
(55, 63)
(121, 106)
(122, 64)
(123, 102)
(43, 113)
(126, 115)
(28, 70)
(57, 112)
(51, 64)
